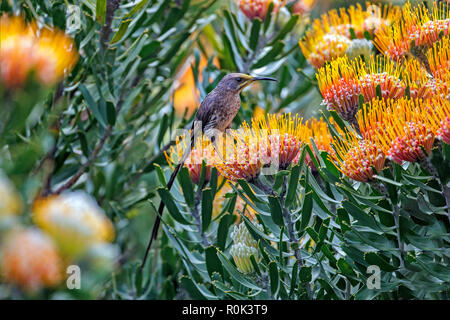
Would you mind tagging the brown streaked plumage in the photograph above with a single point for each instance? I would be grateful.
(216, 113)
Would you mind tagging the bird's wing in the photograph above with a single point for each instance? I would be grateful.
(205, 110)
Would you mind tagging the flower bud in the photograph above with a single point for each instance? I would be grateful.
(244, 246)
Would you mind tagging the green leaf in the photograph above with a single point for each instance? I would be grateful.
(160, 173)
(236, 274)
(345, 268)
(186, 185)
(378, 92)
(190, 287)
(305, 274)
(222, 230)
(213, 181)
(360, 215)
(100, 11)
(92, 105)
(275, 209)
(167, 198)
(248, 190)
(293, 183)
(270, 56)
(110, 113)
(313, 234)
(213, 263)
(306, 209)
(293, 278)
(384, 179)
(375, 259)
(288, 26)
(255, 264)
(121, 32)
(254, 33)
(274, 278)
(207, 206)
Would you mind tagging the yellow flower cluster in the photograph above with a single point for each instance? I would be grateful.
(332, 34)
(51, 54)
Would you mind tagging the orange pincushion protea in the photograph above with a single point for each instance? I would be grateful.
(379, 72)
(24, 48)
(258, 8)
(357, 158)
(418, 29)
(242, 158)
(30, 260)
(409, 135)
(440, 118)
(340, 89)
(202, 151)
(282, 136)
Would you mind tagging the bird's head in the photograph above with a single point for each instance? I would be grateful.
(236, 82)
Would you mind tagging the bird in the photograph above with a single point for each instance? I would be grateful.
(215, 115)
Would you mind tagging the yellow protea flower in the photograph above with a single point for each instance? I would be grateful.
(10, 201)
(244, 246)
(202, 151)
(242, 158)
(331, 35)
(408, 134)
(30, 260)
(342, 82)
(51, 54)
(357, 158)
(381, 72)
(440, 118)
(258, 8)
(438, 58)
(281, 136)
(418, 29)
(338, 83)
(73, 220)
(321, 44)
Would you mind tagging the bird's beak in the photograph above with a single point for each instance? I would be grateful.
(263, 78)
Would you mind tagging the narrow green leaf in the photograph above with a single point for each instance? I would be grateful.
(375, 259)
(123, 27)
(306, 209)
(293, 183)
(275, 209)
(167, 198)
(213, 263)
(100, 11)
(207, 206)
(305, 274)
(274, 278)
(254, 33)
(186, 186)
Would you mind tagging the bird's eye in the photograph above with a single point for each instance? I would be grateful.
(238, 79)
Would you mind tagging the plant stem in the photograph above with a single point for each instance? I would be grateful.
(293, 240)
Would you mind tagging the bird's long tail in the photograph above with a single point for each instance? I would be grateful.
(162, 205)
